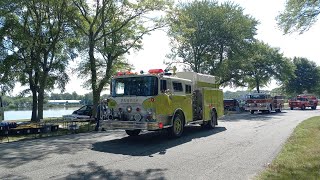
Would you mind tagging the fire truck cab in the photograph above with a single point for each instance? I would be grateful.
(263, 102)
(304, 100)
(160, 100)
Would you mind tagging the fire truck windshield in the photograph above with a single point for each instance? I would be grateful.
(257, 96)
(135, 86)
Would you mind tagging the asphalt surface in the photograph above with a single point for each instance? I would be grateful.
(239, 148)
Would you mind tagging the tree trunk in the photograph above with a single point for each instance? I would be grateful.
(96, 99)
(258, 84)
(34, 116)
(41, 95)
(40, 103)
(96, 94)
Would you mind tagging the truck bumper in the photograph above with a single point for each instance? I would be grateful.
(256, 108)
(130, 125)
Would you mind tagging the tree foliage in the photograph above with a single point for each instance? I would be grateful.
(306, 79)
(264, 64)
(205, 34)
(110, 29)
(299, 15)
(35, 39)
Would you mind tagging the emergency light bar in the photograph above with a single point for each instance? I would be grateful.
(155, 71)
(124, 73)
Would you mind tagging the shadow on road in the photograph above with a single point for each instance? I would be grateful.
(94, 171)
(15, 177)
(19, 153)
(253, 117)
(152, 142)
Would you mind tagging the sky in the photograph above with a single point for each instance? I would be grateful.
(157, 45)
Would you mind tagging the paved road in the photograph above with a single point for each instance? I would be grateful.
(239, 148)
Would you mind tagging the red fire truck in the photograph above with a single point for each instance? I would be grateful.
(263, 102)
(304, 100)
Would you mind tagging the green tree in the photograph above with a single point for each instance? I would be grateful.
(306, 79)
(266, 63)
(35, 39)
(110, 29)
(205, 34)
(55, 96)
(299, 15)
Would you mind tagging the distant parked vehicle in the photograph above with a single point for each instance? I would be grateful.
(84, 110)
(304, 100)
(264, 102)
(230, 104)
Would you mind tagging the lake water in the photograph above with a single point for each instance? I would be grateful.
(26, 114)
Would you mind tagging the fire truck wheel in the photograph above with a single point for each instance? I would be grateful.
(252, 111)
(177, 125)
(269, 109)
(303, 107)
(279, 110)
(135, 132)
(212, 123)
(291, 108)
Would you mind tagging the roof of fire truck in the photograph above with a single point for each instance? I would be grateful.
(184, 76)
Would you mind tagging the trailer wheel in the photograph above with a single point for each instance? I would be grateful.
(135, 132)
(177, 125)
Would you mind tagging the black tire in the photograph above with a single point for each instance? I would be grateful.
(177, 126)
(303, 107)
(269, 109)
(213, 121)
(252, 111)
(135, 132)
(280, 109)
(314, 107)
(291, 108)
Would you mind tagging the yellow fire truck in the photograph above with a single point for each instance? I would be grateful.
(160, 100)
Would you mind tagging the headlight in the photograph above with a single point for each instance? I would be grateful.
(129, 109)
(149, 111)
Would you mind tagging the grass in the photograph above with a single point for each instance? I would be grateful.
(300, 156)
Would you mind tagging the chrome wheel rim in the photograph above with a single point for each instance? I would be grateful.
(177, 126)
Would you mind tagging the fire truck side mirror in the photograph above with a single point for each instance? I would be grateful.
(168, 92)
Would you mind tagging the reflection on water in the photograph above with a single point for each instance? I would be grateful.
(26, 114)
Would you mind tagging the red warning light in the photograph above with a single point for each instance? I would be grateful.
(125, 73)
(155, 71)
(160, 125)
